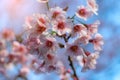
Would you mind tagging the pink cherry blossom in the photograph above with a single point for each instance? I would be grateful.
(49, 44)
(83, 39)
(79, 29)
(93, 6)
(24, 70)
(57, 13)
(32, 42)
(37, 24)
(49, 63)
(61, 27)
(42, 19)
(64, 75)
(40, 28)
(19, 48)
(74, 49)
(97, 42)
(83, 12)
(92, 28)
(7, 34)
(89, 61)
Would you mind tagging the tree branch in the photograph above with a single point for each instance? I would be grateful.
(72, 67)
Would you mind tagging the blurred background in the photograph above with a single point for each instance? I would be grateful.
(13, 13)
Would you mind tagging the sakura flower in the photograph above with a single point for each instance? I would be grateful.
(49, 63)
(43, 1)
(50, 58)
(29, 22)
(24, 70)
(88, 61)
(83, 39)
(64, 74)
(49, 44)
(83, 12)
(42, 19)
(61, 27)
(40, 28)
(8, 34)
(32, 42)
(92, 28)
(57, 13)
(36, 24)
(97, 42)
(92, 5)
(19, 48)
(74, 49)
(79, 29)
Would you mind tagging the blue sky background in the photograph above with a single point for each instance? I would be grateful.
(108, 67)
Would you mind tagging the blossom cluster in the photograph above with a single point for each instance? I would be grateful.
(52, 40)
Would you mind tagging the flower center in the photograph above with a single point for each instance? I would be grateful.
(6, 34)
(51, 67)
(61, 25)
(40, 29)
(93, 41)
(82, 12)
(76, 28)
(49, 56)
(55, 14)
(87, 53)
(84, 61)
(49, 43)
(74, 48)
(42, 20)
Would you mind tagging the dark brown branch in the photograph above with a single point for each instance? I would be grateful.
(47, 5)
(72, 67)
(75, 77)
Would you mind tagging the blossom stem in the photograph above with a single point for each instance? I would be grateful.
(73, 17)
(75, 77)
(72, 66)
(47, 5)
(81, 23)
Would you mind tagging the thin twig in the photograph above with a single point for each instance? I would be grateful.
(47, 5)
(72, 66)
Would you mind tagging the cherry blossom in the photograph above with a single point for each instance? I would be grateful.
(19, 48)
(93, 6)
(7, 34)
(74, 49)
(92, 28)
(79, 29)
(97, 42)
(24, 70)
(83, 39)
(61, 27)
(83, 12)
(88, 61)
(42, 19)
(57, 13)
(64, 74)
(49, 44)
